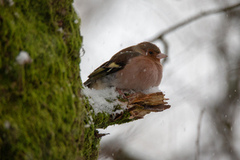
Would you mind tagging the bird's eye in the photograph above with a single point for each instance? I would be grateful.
(150, 52)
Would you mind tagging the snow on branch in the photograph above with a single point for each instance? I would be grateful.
(111, 106)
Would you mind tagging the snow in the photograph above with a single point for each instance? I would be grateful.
(75, 21)
(23, 58)
(11, 2)
(104, 100)
(60, 29)
(7, 125)
(152, 90)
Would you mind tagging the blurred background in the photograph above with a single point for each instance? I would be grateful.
(201, 76)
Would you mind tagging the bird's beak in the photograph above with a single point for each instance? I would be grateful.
(161, 55)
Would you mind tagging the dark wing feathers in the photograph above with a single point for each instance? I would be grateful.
(116, 63)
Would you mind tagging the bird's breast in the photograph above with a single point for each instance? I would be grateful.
(139, 74)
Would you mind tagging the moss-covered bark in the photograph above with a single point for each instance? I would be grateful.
(41, 114)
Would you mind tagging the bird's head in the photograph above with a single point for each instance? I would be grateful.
(150, 50)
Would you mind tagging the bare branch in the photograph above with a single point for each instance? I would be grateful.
(187, 21)
(194, 18)
(165, 46)
(197, 155)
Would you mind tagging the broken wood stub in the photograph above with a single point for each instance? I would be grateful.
(140, 104)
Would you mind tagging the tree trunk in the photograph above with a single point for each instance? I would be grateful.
(42, 115)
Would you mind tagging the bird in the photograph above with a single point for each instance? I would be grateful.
(135, 68)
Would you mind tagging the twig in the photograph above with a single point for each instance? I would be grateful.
(165, 46)
(189, 20)
(198, 135)
(194, 18)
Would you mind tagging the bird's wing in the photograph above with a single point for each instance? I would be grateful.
(116, 63)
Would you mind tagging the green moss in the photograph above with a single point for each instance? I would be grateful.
(42, 116)
(103, 120)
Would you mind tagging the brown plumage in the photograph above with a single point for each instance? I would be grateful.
(134, 68)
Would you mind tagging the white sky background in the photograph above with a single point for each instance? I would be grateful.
(191, 78)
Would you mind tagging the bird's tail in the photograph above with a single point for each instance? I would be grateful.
(88, 83)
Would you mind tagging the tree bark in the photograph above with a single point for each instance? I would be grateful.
(42, 115)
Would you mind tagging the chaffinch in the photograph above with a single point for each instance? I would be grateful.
(134, 68)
